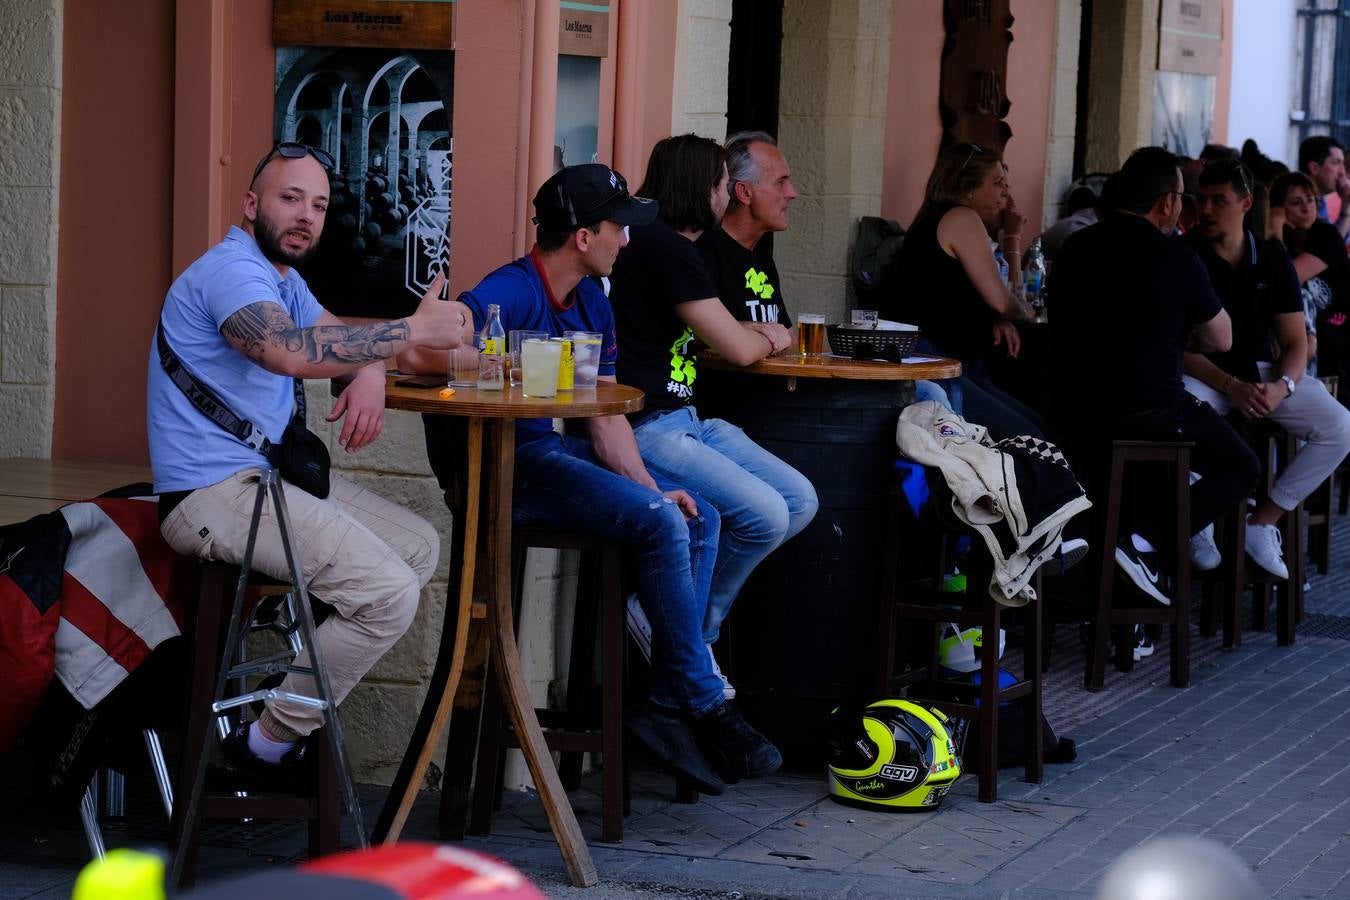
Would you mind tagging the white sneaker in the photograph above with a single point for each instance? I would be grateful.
(1204, 552)
(639, 628)
(728, 692)
(1143, 645)
(1265, 545)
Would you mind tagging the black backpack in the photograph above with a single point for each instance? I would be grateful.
(874, 257)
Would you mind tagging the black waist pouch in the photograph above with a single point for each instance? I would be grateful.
(302, 459)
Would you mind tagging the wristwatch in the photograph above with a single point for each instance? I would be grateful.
(1289, 383)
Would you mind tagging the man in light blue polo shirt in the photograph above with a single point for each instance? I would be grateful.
(243, 322)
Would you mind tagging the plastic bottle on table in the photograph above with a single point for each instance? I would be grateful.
(1002, 265)
(1033, 275)
(492, 352)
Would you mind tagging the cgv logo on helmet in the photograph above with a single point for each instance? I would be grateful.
(900, 773)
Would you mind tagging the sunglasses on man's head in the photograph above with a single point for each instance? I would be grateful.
(294, 150)
(1227, 169)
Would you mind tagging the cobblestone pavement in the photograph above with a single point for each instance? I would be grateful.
(1254, 754)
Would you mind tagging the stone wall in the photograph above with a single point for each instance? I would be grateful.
(702, 54)
(1063, 108)
(832, 129)
(1124, 63)
(30, 122)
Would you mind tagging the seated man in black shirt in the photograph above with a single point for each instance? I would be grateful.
(759, 188)
(1120, 335)
(665, 306)
(1259, 289)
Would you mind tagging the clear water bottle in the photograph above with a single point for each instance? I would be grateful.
(1002, 265)
(1033, 276)
(492, 352)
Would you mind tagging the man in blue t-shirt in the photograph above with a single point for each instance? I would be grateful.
(243, 322)
(601, 487)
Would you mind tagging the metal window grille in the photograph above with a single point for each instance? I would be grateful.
(1323, 68)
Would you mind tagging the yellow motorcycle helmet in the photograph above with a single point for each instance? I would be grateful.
(901, 758)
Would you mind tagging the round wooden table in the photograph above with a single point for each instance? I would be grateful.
(793, 366)
(812, 602)
(490, 418)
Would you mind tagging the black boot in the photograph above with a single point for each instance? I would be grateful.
(734, 748)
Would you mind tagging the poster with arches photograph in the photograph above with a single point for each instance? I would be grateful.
(385, 117)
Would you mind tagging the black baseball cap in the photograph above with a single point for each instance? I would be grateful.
(579, 196)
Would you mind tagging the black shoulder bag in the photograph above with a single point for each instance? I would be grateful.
(301, 457)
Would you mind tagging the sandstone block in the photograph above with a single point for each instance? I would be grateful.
(26, 411)
(27, 254)
(27, 115)
(377, 720)
(28, 53)
(25, 336)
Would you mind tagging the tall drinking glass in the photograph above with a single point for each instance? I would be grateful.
(464, 366)
(513, 348)
(810, 334)
(585, 356)
(539, 363)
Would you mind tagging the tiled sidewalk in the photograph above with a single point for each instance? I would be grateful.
(1255, 754)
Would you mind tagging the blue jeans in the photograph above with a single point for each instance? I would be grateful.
(560, 484)
(762, 500)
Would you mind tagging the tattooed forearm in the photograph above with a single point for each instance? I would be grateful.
(350, 343)
(255, 328)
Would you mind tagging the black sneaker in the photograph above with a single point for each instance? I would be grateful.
(297, 773)
(1141, 567)
(670, 737)
(734, 748)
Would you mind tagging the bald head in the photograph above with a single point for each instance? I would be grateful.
(285, 208)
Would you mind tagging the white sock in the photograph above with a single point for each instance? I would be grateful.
(1141, 543)
(263, 747)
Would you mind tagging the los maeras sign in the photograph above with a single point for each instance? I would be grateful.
(394, 24)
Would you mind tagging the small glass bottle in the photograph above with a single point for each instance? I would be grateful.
(492, 352)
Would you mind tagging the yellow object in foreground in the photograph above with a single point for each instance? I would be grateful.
(446, 393)
(122, 875)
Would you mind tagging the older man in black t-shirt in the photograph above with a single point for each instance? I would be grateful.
(759, 189)
(1119, 336)
(1262, 375)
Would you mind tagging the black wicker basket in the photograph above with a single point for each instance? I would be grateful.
(864, 343)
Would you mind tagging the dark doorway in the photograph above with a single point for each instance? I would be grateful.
(755, 65)
(1081, 107)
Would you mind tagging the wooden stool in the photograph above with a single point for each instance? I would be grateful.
(1176, 456)
(570, 730)
(1225, 586)
(903, 599)
(1317, 515)
(206, 637)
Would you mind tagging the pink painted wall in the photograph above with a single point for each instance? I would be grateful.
(913, 126)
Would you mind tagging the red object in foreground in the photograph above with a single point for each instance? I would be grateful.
(430, 872)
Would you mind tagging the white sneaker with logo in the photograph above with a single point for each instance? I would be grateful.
(639, 628)
(1205, 554)
(1265, 545)
(728, 692)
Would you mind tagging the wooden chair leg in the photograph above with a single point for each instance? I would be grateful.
(1181, 603)
(325, 829)
(988, 717)
(581, 669)
(1035, 749)
(487, 769)
(613, 633)
(1096, 665)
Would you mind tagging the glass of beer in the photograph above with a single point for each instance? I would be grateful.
(810, 334)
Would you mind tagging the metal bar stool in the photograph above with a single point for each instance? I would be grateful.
(207, 701)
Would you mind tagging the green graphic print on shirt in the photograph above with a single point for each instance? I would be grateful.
(683, 367)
